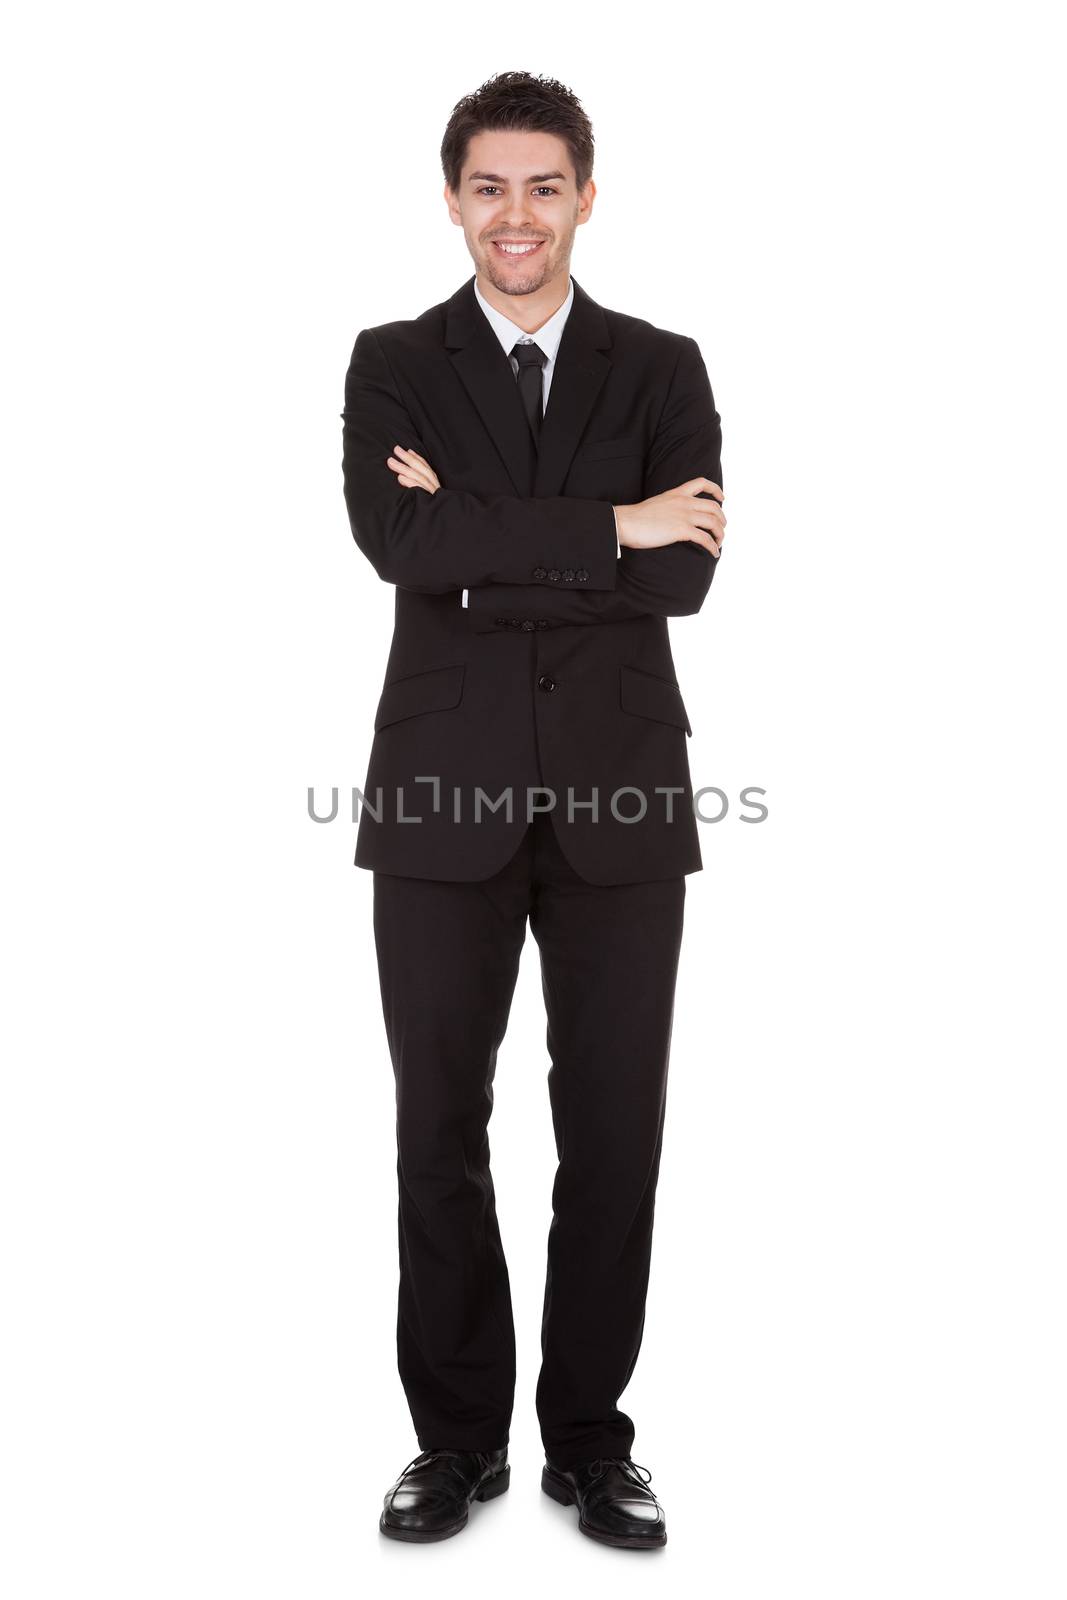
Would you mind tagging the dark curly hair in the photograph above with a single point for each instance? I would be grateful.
(524, 103)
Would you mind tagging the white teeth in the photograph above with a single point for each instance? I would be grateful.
(517, 249)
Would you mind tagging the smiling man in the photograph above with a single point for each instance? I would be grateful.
(539, 478)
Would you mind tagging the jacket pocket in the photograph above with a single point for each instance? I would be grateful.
(630, 444)
(438, 689)
(643, 694)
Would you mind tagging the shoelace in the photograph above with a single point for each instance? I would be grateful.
(598, 1468)
(448, 1456)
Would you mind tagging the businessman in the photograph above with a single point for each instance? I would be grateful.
(539, 479)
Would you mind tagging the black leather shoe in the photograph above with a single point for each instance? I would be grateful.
(432, 1496)
(615, 1504)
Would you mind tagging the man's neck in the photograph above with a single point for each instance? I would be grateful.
(527, 311)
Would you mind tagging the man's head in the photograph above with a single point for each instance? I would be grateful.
(518, 161)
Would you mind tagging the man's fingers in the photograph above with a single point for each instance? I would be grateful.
(714, 537)
(426, 477)
(704, 485)
(711, 519)
(405, 466)
(410, 477)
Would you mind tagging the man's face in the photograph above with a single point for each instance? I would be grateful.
(519, 187)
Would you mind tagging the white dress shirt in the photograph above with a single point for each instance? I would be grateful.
(547, 336)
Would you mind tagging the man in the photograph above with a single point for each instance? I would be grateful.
(529, 762)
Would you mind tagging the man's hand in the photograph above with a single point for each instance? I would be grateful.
(414, 471)
(677, 514)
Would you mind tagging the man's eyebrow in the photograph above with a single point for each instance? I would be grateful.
(494, 177)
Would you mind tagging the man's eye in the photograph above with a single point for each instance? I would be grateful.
(545, 188)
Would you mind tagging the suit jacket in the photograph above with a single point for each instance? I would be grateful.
(558, 674)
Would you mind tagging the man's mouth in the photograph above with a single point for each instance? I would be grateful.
(517, 249)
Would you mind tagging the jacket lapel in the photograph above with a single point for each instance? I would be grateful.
(581, 368)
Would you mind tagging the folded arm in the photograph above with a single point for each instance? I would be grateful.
(669, 581)
(451, 540)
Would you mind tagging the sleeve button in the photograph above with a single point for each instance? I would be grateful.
(539, 572)
(581, 575)
(553, 574)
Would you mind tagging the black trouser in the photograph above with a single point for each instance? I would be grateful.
(448, 958)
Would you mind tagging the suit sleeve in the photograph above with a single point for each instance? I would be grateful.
(670, 581)
(452, 540)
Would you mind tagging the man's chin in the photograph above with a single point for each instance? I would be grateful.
(514, 285)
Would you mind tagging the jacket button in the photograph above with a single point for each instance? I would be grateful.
(546, 683)
(542, 622)
(539, 572)
(553, 574)
(528, 626)
(581, 575)
(568, 575)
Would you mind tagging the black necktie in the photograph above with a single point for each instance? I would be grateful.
(531, 359)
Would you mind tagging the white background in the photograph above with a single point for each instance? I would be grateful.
(852, 1381)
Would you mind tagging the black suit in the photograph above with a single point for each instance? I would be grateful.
(558, 674)
(532, 535)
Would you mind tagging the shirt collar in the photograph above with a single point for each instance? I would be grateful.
(547, 336)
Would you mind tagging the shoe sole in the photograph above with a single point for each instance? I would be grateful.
(488, 1491)
(560, 1491)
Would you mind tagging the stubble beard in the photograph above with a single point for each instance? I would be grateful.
(518, 282)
